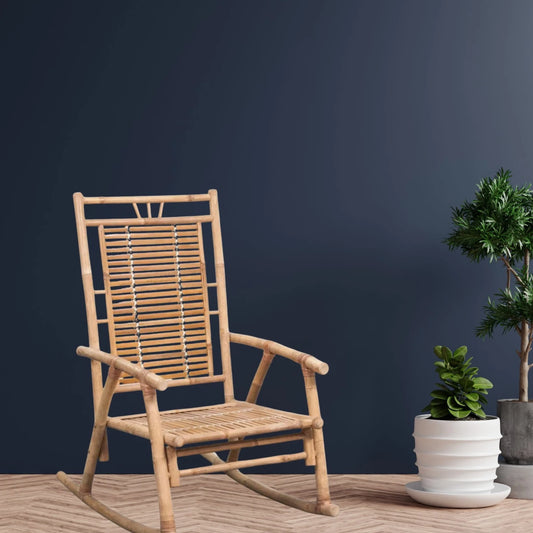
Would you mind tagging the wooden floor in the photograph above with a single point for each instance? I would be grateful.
(215, 503)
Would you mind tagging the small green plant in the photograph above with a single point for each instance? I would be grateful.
(461, 393)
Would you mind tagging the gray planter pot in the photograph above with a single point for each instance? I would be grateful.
(517, 431)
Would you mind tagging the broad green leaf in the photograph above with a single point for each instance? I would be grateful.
(458, 402)
(438, 351)
(482, 383)
(452, 404)
(473, 406)
(439, 412)
(474, 396)
(435, 402)
(446, 375)
(461, 351)
(447, 353)
(439, 394)
(480, 413)
(460, 414)
(440, 364)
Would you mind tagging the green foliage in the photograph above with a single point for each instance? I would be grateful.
(497, 223)
(509, 309)
(460, 393)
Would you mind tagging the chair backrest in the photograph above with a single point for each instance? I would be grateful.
(156, 290)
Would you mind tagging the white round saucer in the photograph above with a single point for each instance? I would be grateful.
(457, 501)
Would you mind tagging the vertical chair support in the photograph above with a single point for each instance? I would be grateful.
(98, 435)
(221, 296)
(321, 471)
(90, 307)
(159, 460)
(253, 393)
(172, 463)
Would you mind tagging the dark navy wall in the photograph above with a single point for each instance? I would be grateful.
(338, 135)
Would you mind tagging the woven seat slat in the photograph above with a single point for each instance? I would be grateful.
(218, 422)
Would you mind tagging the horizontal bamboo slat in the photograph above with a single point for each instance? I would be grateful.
(237, 445)
(95, 222)
(167, 199)
(224, 467)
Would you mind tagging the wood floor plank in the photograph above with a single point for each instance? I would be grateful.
(216, 504)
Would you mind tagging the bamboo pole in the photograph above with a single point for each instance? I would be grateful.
(250, 443)
(159, 460)
(321, 472)
(181, 382)
(90, 307)
(172, 464)
(255, 388)
(309, 447)
(100, 424)
(205, 298)
(107, 288)
(309, 361)
(224, 467)
(169, 199)
(104, 510)
(221, 295)
(147, 221)
(144, 376)
(273, 494)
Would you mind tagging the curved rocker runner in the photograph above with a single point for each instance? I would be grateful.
(159, 327)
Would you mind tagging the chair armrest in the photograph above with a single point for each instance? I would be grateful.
(310, 362)
(137, 371)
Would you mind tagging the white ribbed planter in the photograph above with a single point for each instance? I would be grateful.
(457, 456)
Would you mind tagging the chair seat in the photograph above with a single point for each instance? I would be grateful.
(214, 422)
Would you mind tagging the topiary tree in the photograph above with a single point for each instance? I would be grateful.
(498, 225)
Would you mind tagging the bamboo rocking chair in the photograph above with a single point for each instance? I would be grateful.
(159, 328)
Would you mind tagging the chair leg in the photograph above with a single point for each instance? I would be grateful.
(98, 444)
(163, 489)
(95, 446)
(159, 460)
(309, 447)
(321, 472)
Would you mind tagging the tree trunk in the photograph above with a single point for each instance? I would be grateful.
(524, 362)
